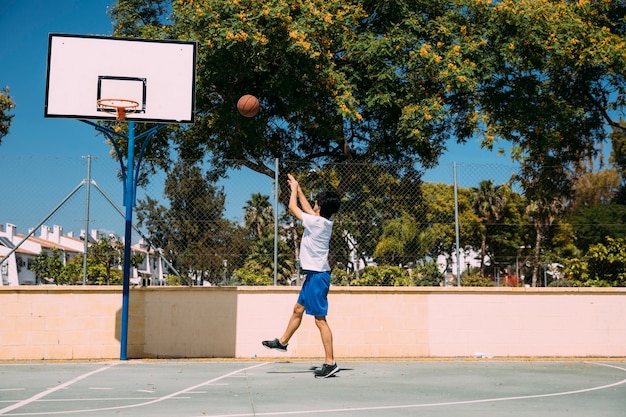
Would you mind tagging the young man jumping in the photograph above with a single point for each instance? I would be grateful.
(313, 298)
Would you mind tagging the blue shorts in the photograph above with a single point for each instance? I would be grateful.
(314, 293)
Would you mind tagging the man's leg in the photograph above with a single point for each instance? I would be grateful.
(294, 323)
(327, 339)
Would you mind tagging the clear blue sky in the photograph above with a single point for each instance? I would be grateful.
(24, 29)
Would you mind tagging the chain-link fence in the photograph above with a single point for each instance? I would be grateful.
(395, 227)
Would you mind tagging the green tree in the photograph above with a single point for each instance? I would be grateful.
(258, 268)
(592, 225)
(337, 80)
(259, 215)
(592, 211)
(399, 244)
(593, 188)
(557, 75)
(392, 81)
(488, 203)
(427, 274)
(375, 81)
(558, 72)
(48, 266)
(507, 235)
(543, 213)
(440, 235)
(72, 272)
(394, 276)
(604, 265)
(6, 105)
(107, 253)
(191, 230)
(618, 158)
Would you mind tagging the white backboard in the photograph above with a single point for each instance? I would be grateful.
(159, 75)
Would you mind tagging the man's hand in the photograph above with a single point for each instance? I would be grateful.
(292, 182)
(293, 199)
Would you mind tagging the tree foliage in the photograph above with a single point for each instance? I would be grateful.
(104, 260)
(618, 159)
(191, 230)
(559, 69)
(259, 215)
(603, 266)
(376, 81)
(595, 206)
(489, 201)
(393, 276)
(258, 268)
(427, 274)
(6, 105)
(48, 266)
(558, 74)
(391, 81)
(108, 254)
(337, 80)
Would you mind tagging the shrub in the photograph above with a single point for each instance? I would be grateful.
(247, 277)
(603, 265)
(473, 280)
(173, 280)
(427, 274)
(561, 283)
(340, 277)
(383, 276)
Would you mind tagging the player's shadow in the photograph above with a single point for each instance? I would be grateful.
(309, 371)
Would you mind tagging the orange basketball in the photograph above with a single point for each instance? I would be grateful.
(248, 105)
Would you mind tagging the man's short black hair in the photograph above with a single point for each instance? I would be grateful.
(329, 203)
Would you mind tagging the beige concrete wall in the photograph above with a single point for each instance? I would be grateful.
(164, 322)
(519, 322)
(59, 323)
(366, 322)
(181, 322)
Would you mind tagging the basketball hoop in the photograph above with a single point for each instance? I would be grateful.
(119, 106)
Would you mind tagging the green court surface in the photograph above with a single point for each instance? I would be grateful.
(230, 388)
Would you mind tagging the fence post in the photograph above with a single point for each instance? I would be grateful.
(456, 227)
(276, 188)
(87, 201)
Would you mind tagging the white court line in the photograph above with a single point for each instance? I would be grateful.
(444, 404)
(159, 399)
(65, 400)
(51, 390)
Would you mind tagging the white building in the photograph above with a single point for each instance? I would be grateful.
(151, 270)
(16, 269)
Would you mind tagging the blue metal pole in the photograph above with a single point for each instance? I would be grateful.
(128, 202)
(130, 175)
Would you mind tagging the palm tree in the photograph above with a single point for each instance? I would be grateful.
(400, 242)
(261, 260)
(488, 203)
(258, 215)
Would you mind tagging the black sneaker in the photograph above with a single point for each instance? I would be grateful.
(274, 344)
(326, 371)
